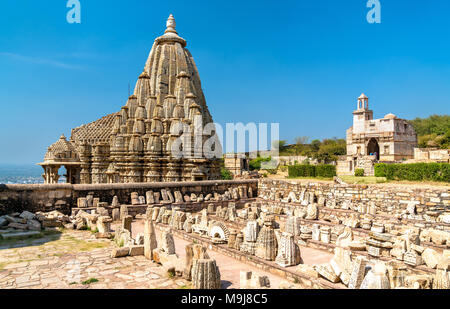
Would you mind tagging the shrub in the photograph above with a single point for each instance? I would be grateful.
(414, 171)
(306, 170)
(302, 170)
(325, 170)
(255, 164)
(359, 172)
(226, 174)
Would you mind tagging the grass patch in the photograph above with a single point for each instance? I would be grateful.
(89, 281)
(312, 178)
(364, 179)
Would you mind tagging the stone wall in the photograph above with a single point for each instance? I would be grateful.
(62, 197)
(390, 199)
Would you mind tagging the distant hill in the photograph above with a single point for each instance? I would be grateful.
(433, 131)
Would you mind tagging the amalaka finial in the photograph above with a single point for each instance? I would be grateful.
(171, 25)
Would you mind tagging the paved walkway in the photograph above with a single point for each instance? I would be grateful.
(75, 259)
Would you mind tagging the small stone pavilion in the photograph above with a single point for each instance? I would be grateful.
(135, 143)
(389, 139)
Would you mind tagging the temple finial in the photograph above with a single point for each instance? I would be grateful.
(171, 25)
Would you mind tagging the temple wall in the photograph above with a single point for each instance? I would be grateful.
(62, 197)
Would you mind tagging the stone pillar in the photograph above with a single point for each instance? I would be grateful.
(193, 252)
(205, 274)
(135, 198)
(115, 201)
(167, 243)
(123, 211)
(149, 239)
(104, 225)
(232, 238)
(126, 223)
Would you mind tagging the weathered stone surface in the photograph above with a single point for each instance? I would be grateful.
(135, 198)
(115, 201)
(123, 211)
(397, 273)
(288, 251)
(412, 258)
(167, 243)
(326, 271)
(431, 257)
(27, 215)
(266, 244)
(251, 280)
(193, 252)
(126, 223)
(358, 273)
(312, 212)
(34, 225)
(136, 250)
(120, 252)
(205, 274)
(376, 278)
(150, 243)
(104, 224)
(115, 214)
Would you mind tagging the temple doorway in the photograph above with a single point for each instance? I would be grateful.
(373, 148)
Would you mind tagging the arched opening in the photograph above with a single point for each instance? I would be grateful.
(62, 172)
(373, 148)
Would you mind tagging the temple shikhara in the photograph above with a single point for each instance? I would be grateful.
(134, 144)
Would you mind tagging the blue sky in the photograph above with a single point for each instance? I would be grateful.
(299, 63)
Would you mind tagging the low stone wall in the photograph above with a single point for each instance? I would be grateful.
(62, 197)
(388, 199)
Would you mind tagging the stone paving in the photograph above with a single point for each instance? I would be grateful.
(74, 260)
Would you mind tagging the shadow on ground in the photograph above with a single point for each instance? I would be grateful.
(225, 284)
(35, 240)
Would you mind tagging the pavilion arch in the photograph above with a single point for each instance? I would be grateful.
(373, 147)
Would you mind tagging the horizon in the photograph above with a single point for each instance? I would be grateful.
(300, 64)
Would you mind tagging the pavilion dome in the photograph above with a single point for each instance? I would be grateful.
(390, 116)
(61, 150)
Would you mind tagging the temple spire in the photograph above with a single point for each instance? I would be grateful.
(171, 25)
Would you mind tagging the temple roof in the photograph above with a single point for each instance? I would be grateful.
(96, 131)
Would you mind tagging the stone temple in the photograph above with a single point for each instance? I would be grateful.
(135, 144)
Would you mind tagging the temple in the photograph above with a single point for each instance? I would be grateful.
(137, 143)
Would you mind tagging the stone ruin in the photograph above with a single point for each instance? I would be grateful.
(374, 243)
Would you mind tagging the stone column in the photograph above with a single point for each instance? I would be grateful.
(149, 239)
(205, 274)
(126, 223)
